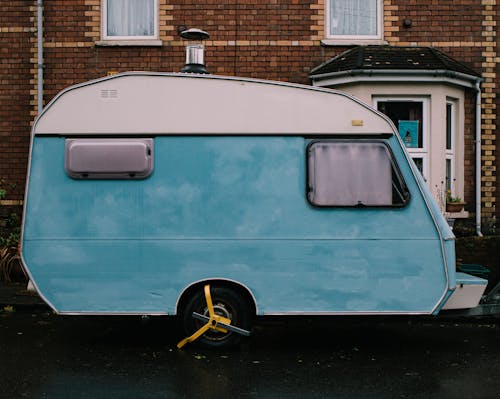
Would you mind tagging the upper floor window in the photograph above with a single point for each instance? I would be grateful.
(354, 19)
(130, 19)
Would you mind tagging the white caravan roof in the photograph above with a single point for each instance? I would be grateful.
(138, 103)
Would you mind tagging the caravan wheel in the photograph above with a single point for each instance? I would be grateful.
(227, 303)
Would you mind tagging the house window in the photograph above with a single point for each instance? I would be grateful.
(130, 19)
(450, 132)
(409, 115)
(353, 173)
(354, 19)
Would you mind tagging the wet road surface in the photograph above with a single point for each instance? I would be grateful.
(47, 356)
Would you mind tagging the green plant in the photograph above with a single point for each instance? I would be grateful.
(3, 190)
(10, 239)
(450, 199)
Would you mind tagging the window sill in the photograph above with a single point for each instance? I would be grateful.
(352, 42)
(456, 215)
(138, 42)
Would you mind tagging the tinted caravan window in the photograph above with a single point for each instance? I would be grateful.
(347, 173)
(109, 158)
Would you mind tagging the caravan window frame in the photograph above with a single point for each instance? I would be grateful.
(396, 176)
(109, 158)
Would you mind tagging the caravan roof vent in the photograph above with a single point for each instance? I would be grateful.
(195, 50)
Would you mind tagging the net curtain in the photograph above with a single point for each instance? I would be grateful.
(353, 17)
(130, 17)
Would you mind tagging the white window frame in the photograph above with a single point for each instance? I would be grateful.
(354, 38)
(450, 152)
(424, 152)
(104, 27)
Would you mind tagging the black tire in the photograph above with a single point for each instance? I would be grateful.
(226, 302)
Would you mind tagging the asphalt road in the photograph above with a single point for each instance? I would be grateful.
(47, 356)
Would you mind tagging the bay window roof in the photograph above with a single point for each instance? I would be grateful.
(393, 63)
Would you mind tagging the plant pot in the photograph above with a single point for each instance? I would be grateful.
(454, 207)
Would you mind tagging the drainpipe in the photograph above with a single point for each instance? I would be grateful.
(40, 65)
(478, 159)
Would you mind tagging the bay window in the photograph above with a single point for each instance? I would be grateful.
(410, 116)
(450, 129)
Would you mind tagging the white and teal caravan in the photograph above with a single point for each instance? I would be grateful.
(280, 199)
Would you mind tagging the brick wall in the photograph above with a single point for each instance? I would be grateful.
(483, 251)
(15, 53)
(264, 39)
(470, 152)
(445, 21)
(466, 30)
(269, 39)
(495, 166)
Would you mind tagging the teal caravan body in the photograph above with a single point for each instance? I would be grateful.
(144, 187)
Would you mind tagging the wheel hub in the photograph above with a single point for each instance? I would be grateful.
(219, 310)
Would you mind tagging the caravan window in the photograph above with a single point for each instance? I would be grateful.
(347, 173)
(116, 158)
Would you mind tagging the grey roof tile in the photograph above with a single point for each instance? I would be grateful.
(392, 58)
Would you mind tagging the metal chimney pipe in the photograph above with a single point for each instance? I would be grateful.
(195, 54)
(195, 50)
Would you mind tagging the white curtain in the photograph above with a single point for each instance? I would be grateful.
(353, 17)
(130, 17)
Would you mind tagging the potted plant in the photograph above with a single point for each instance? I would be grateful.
(453, 204)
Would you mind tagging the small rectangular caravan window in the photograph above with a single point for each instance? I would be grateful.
(116, 158)
(348, 173)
